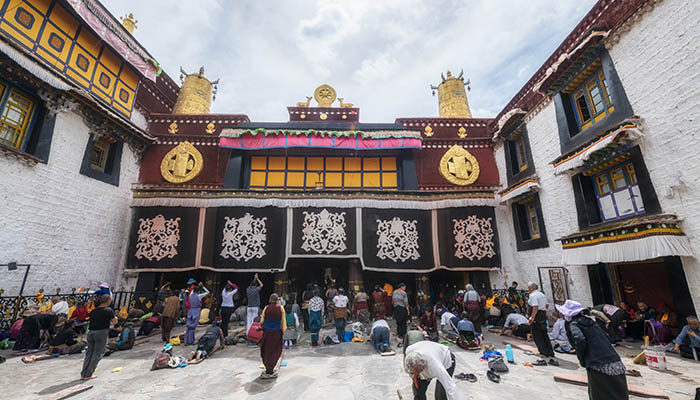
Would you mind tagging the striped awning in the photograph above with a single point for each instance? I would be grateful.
(257, 139)
(528, 185)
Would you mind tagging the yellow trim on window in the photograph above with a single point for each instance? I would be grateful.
(616, 175)
(631, 174)
(599, 182)
(17, 123)
(532, 220)
(100, 151)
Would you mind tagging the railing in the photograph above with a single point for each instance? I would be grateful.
(12, 307)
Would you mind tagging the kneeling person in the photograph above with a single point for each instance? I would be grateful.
(206, 343)
(380, 335)
(518, 324)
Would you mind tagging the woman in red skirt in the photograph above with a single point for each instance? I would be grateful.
(273, 324)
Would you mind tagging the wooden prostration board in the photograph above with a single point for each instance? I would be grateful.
(635, 390)
(68, 392)
(523, 347)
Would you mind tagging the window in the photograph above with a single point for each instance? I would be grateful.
(529, 227)
(318, 173)
(520, 153)
(16, 112)
(590, 99)
(102, 159)
(519, 163)
(622, 198)
(100, 152)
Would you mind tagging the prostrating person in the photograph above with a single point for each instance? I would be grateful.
(253, 295)
(66, 341)
(100, 318)
(227, 305)
(380, 335)
(401, 312)
(274, 324)
(340, 312)
(517, 324)
(170, 311)
(195, 300)
(448, 323)
(125, 340)
(316, 308)
(614, 320)
(425, 361)
(206, 345)
(59, 307)
(689, 338)
(30, 336)
(472, 306)
(467, 330)
(606, 372)
(538, 322)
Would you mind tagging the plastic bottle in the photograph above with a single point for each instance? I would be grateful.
(509, 354)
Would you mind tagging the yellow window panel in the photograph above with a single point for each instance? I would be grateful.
(352, 180)
(372, 180)
(370, 164)
(64, 20)
(353, 164)
(111, 61)
(334, 179)
(334, 164)
(603, 184)
(129, 77)
(314, 164)
(257, 178)
(388, 164)
(41, 5)
(389, 179)
(89, 42)
(631, 174)
(258, 162)
(277, 163)
(275, 179)
(295, 179)
(2, 90)
(618, 178)
(295, 163)
(104, 80)
(123, 95)
(24, 19)
(313, 178)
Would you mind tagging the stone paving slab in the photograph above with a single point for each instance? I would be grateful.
(339, 372)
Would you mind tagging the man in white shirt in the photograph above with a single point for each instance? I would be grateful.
(448, 322)
(227, 305)
(380, 335)
(518, 324)
(426, 361)
(59, 306)
(340, 311)
(538, 322)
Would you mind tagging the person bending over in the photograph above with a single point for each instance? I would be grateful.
(425, 361)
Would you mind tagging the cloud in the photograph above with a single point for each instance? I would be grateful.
(380, 55)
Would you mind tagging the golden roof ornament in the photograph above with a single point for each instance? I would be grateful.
(172, 128)
(452, 96)
(129, 23)
(181, 164)
(428, 131)
(305, 103)
(462, 132)
(324, 95)
(196, 93)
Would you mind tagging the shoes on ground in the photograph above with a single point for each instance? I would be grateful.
(466, 377)
(554, 362)
(493, 377)
(540, 363)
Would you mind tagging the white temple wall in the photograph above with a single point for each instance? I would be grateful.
(71, 228)
(657, 61)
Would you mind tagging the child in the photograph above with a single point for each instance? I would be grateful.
(291, 334)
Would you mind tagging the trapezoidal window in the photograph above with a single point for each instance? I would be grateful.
(16, 112)
(589, 96)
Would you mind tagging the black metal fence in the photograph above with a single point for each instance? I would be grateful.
(12, 307)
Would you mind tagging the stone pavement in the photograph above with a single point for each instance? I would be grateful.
(338, 372)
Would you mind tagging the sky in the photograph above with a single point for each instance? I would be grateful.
(380, 55)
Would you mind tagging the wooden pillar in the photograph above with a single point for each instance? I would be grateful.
(354, 276)
(281, 283)
(423, 285)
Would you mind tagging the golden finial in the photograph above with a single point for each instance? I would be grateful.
(324, 95)
(344, 105)
(129, 23)
(305, 103)
(428, 131)
(172, 128)
(462, 133)
(210, 128)
(196, 93)
(452, 96)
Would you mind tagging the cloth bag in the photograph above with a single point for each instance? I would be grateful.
(497, 364)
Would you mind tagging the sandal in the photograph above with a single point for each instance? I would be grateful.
(540, 363)
(493, 377)
(554, 362)
(471, 378)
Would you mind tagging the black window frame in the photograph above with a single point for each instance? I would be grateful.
(570, 135)
(521, 224)
(36, 144)
(513, 173)
(587, 208)
(112, 170)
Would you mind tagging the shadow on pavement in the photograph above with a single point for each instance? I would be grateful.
(61, 386)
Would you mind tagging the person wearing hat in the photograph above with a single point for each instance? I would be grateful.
(103, 289)
(196, 295)
(606, 372)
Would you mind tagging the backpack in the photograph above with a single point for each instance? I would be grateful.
(161, 361)
(255, 333)
(497, 364)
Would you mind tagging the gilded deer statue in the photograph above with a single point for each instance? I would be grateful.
(305, 103)
(344, 105)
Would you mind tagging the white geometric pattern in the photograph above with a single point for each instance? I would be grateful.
(158, 238)
(473, 238)
(244, 238)
(324, 232)
(398, 239)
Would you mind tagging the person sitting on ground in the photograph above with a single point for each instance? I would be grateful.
(80, 314)
(465, 327)
(494, 312)
(429, 324)
(149, 324)
(67, 340)
(413, 335)
(688, 339)
(380, 335)
(59, 306)
(291, 335)
(207, 343)
(425, 361)
(448, 323)
(634, 326)
(35, 329)
(558, 335)
(125, 340)
(666, 326)
(518, 326)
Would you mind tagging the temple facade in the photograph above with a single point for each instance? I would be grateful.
(584, 182)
